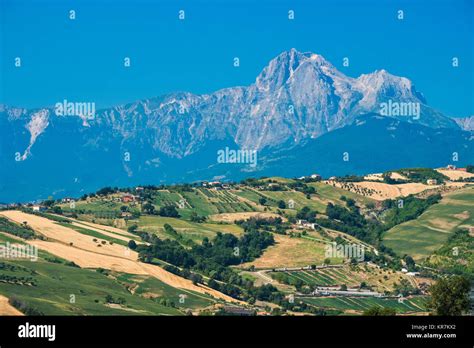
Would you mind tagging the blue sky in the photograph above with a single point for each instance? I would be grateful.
(82, 60)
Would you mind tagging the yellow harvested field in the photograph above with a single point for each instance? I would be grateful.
(89, 259)
(397, 176)
(86, 254)
(104, 227)
(6, 308)
(381, 191)
(62, 234)
(455, 174)
(104, 232)
(231, 217)
(289, 252)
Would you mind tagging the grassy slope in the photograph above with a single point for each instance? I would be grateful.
(421, 237)
(56, 282)
(187, 229)
(330, 193)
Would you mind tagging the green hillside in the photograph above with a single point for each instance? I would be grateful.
(423, 236)
(49, 284)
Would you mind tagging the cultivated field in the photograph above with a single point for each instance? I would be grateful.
(380, 280)
(421, 237)
(381, 191)
(289, 252)
(455, 174)
(232, 217)
(87, 254)
(415, 304)
(190, 230)
(329, 193)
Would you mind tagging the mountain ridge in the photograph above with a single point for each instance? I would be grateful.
(296, 99)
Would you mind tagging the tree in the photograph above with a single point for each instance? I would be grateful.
(149, 208)
(405, 288)
(169, 211)
(196, 218)
(132, 245)
(196, 278)
(262, 201)
(48, 203)
(57, 210)
(109, 299)
(281, 204)
(410, 263)
(370, 205)
(450, 296)
(378, 311)
(133, 228)
(105, 191)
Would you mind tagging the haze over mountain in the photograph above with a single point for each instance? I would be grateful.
(296, 100)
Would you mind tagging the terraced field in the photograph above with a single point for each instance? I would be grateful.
(164, 197)
(421, 237)
(225, 202)
(325, 277)
(380, 280)
(415, 304)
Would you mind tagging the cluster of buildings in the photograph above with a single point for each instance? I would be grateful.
(215, 185)
(331, 291)
(312, 176)
(305, 224)
(453, 167)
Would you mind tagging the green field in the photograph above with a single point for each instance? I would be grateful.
(416, 304)
(189, 230)
(202, 201)
(55, 283)
(324, 277)
(97, 207)
(56, 279)
(273, 197)
(330, 193)
(423, 236)
(96, 234)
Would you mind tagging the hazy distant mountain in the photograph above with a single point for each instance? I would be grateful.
(297, 98)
